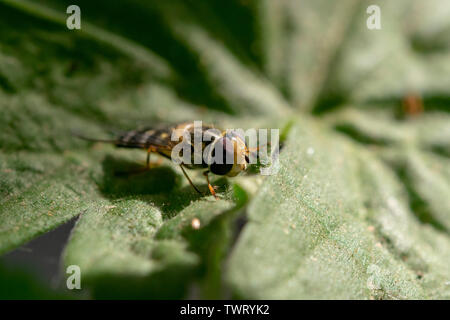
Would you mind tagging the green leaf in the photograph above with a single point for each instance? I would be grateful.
(358, 210)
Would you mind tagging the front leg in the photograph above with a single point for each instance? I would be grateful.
(189, 179)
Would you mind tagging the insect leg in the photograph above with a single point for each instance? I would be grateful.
(211, 188)
(149, 150)
(189, 179)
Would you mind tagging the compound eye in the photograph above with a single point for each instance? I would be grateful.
(225, 164)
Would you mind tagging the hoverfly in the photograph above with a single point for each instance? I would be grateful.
(161, 141)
